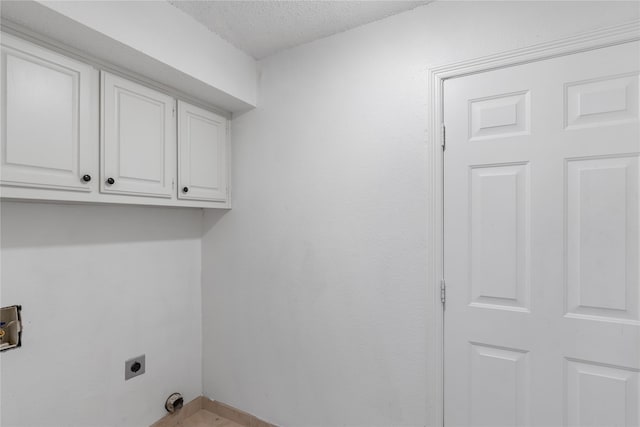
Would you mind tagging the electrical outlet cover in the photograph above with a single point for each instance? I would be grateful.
(134, 367)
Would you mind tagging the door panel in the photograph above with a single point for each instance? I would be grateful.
(607, 100)
(59, 94)
(541, 234)
(499, 236)
(499, 116)
(602, 244)
(600, 395)
(202, 154)
(138, 139)
(499, 385)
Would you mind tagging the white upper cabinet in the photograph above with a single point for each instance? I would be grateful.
(49, 119)
(138, 139)
(202, 154)
(72, 133)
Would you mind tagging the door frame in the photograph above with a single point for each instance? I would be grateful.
(599, 38)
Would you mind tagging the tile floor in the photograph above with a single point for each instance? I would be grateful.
(204, 418)
(203, 412)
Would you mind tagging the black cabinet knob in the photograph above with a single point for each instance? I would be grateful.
(86, 178)
(185, 190)
(110, 181)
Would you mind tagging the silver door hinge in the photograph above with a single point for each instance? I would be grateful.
(443, 137)
(443, 291)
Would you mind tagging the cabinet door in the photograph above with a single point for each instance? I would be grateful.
(138, 139)
(202, 152)
(49, 119)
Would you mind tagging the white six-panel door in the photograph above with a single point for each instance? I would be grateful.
(138, 144)
(202, 154)
(49, 119)
(542, 320)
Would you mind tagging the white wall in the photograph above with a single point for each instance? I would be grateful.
(99, 285)
(164, 32)
(314, 285)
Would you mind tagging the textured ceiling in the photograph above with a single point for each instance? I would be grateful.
(262, 28)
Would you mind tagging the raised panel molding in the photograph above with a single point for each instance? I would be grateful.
(602, 238)
(599, 395)
(499, 116)
(603, 101)
(138, 139)
(29, 78)
(202, 154)
(59, 95)
(144, 118)
(499, 227)
(499, 386)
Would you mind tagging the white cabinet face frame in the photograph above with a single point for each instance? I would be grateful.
(202, 154)
(138, 144)
(48, 119)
